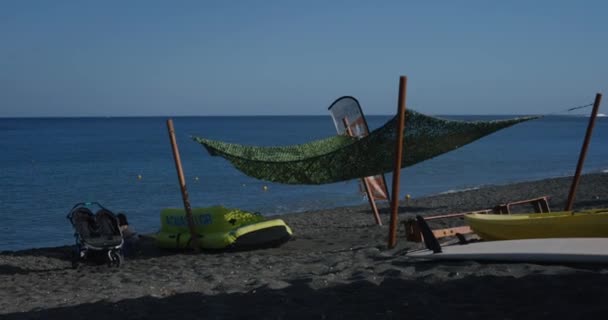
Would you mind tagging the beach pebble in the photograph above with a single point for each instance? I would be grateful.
(371, 252)
(277, 284)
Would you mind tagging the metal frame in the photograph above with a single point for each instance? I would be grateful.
(413, 232)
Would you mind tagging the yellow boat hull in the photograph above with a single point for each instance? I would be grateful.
(566, 224)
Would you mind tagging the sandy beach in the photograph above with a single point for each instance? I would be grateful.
(336, 267)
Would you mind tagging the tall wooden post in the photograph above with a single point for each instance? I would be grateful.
(392, 234)
(182, 184)
(583, 154)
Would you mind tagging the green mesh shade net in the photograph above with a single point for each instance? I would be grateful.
(342, 158)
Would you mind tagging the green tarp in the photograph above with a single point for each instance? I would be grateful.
(340, 158)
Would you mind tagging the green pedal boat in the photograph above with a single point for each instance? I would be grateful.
(221, 228)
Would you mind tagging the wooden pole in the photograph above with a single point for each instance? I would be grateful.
(368, 190)
(372, 201)
(583, 154)
(182, 184)
(392, 232)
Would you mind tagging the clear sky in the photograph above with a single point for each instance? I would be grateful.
(170, 58)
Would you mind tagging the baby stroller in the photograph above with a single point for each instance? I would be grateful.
(97, 235)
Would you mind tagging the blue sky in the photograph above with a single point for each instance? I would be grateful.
(170, 58)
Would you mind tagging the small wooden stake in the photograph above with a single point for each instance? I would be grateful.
(583, 154)
(392, 232)
(182, 184)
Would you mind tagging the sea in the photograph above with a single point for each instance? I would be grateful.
(48, 165)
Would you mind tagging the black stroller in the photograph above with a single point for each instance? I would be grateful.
(97, 235)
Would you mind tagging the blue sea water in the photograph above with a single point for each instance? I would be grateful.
(49, 164)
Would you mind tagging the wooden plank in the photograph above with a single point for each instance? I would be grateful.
(449, 232)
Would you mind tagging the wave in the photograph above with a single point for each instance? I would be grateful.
(459, 190)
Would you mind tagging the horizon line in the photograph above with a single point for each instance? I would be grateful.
(264, 115)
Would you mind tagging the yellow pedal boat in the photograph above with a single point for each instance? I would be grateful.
(565, 224)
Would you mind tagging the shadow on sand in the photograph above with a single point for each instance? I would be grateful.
(146, 249)
(578, 295)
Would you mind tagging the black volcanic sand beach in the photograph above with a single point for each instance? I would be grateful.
(336, 267)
